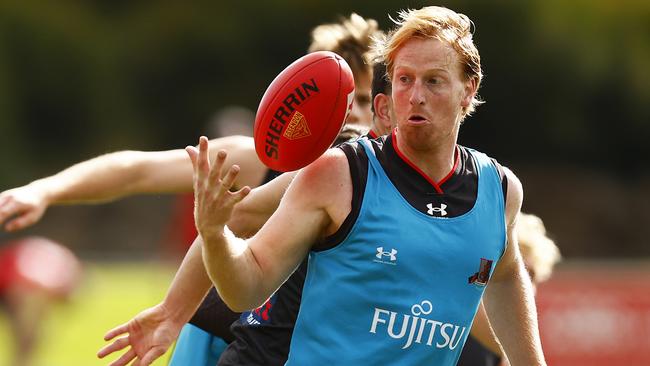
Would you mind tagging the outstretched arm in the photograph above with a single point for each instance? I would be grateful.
(509, 297)
(119, 174)
(246, 272)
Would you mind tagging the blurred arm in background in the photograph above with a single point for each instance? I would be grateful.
(121, 174)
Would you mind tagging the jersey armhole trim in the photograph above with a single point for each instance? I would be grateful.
(504, 187)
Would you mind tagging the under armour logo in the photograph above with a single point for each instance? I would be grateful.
(392, 254)
(440, 210)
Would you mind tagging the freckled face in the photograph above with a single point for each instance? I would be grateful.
(429, 92)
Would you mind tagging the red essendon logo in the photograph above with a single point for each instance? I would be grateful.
(261, 315)
(297, 128)
(482, 277)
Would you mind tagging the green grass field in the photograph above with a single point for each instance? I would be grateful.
(109, 295)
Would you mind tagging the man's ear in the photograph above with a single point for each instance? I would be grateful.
(471, 87)
(382, 105)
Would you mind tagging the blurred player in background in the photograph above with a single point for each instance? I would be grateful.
(35, 273)
(180, 232)
(351, 39)
(232, 120)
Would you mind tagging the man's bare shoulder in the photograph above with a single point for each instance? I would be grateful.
(324, 185)
(332, 165)
(325, 177)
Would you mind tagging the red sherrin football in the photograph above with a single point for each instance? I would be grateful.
(303, 110)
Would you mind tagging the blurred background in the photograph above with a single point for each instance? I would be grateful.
(567, 91)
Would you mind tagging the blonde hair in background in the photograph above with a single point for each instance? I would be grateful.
(440, 23)
(351, 38)
(537, 249)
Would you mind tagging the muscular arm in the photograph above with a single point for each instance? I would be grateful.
(120, 174)
(116, 175)
(246, 272)
(509, 300)
(192, 281)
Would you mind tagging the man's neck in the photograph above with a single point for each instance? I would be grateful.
(378, 129)
(436, 162)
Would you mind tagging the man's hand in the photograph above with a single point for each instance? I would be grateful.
(21, 207)
(149, 335)
(213, 201)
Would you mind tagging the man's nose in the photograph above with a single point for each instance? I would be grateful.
(417, 94)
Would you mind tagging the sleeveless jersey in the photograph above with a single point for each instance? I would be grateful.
(403, 287)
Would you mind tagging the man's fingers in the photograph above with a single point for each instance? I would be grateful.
(203, 162)
(193, 153)
(119, 344)
(240, 194)
(124, 359)
(21, 222)
(203, 142)
(152, 355)
(121, 329)
(215, 172)
(7, 210)
(229, 180)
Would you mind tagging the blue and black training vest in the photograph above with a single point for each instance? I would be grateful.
(403, 287)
